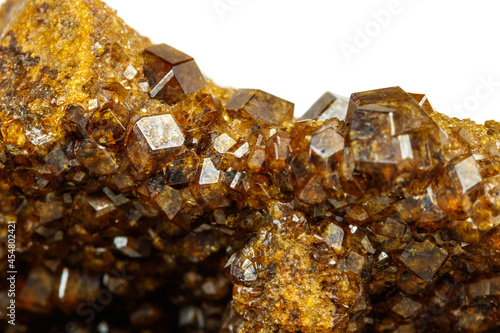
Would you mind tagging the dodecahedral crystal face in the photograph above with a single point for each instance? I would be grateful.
(394, 144)
(327, 142)
(160, 132)
(326, 107)
(97, 158)
(458, 187)
(223, 143)
(261, 107)
(108, 125)
(170, 201)
(157, 201)
(316, 149)
(154, 141)
(424, 259)
(171, 73)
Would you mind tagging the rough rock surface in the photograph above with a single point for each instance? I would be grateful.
(137, 196)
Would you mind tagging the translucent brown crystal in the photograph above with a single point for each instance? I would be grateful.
(171, 73)
(148, 199)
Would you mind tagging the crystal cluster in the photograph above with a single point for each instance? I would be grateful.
(148, 199)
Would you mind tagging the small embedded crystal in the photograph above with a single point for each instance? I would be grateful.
(161, 132)
(223, 143)
(130, 72)
(334, 235)
(132, 247)
(93, 104)
(96, 158)
(423, 258)
(327, 142)
(144, 86)
(260, 106)
(355, 262)
(209, 173)
(326, 107)
(154, 140)
(108, 125)
(170, 201)
(406, 307)
(242, 150)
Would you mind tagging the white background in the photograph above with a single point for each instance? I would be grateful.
(293, 49)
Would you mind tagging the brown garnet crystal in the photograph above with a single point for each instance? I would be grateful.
(137, 196)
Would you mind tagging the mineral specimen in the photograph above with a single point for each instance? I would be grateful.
(137, 196)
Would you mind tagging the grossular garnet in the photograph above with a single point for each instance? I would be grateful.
(161, 202)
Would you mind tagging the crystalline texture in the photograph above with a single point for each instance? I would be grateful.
(394, 143)
(334, 236)
(171, 73)
(161, 132)
(170, 201)
(468, 173)
(209, 173)
(260, 106)
(326, 107)
(155, 140)
(161, 201)
(223, 143)
(327, 142)
(424, 258)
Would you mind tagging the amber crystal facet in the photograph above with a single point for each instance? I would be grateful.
(154, 141)
(261, 107)
(161, 202)
(171, 73)
(326, 107)
(394, 143)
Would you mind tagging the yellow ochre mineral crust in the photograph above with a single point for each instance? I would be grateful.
(145, 198)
